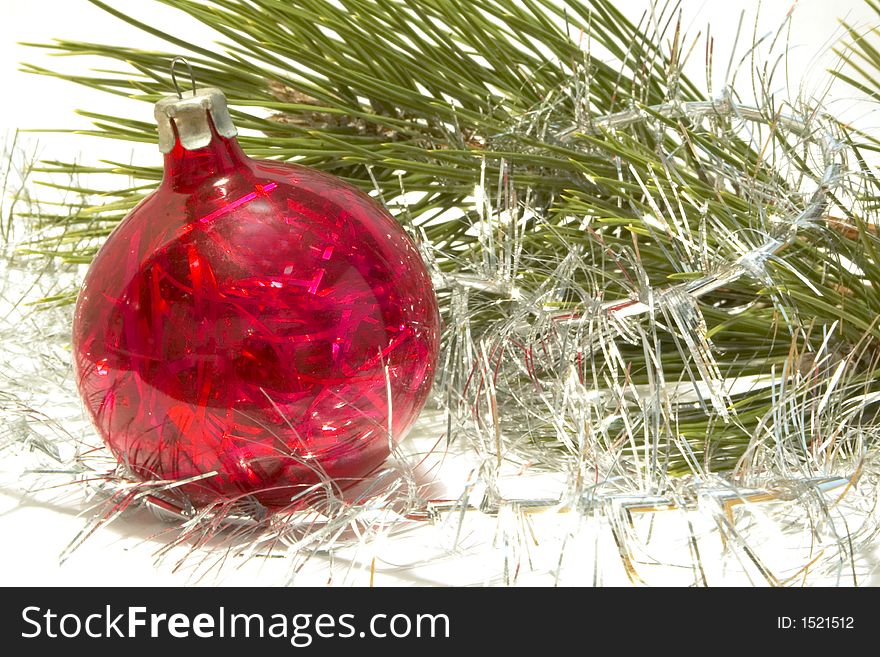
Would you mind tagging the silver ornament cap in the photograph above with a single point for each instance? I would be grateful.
(188, 117)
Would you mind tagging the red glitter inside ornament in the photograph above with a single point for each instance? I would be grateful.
(259, 322)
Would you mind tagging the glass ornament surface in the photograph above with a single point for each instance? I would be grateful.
(261, 323)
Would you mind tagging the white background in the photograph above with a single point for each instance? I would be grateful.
(34, 535)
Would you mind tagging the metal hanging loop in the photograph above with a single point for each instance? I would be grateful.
(191, 120)
(192, 77)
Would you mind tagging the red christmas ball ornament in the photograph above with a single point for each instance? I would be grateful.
(260, 324)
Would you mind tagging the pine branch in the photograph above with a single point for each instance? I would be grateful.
(432, 97)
